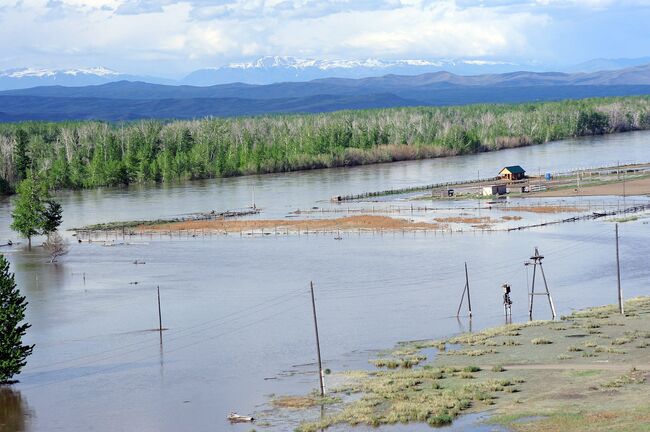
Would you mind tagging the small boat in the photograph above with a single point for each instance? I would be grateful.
(236, 418)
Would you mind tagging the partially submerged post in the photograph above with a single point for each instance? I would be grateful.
(321, 376)
(537, 261)
(618, 277)
(465, 289)
(160, 327)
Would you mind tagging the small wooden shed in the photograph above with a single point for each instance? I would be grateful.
(494, 190)
(514, 172)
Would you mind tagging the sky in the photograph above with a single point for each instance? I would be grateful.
(174, 37)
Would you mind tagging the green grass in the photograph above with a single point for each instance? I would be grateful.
(561, 398)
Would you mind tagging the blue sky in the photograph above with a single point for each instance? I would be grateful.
(173, 37)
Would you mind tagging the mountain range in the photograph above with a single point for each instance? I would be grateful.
(268, 70)
(128, 100)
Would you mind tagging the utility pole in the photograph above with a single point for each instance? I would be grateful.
(465, 289)
(618, 277)
(320, 363)
(537, 261)
(160, 328)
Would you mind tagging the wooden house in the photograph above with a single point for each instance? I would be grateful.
(514, 172)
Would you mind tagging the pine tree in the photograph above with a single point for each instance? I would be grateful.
(52, 216)
(13, 354)
(28, 213)
(21, 158)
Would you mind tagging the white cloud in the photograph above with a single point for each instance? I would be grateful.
(184, 34)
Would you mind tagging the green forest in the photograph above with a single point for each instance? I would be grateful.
(91, 154)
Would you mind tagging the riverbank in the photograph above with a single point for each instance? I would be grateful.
(587, 371)
(93, 154)
(619, 187)
(595, 181)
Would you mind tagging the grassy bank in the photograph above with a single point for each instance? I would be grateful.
(587, 371)
(92, 154)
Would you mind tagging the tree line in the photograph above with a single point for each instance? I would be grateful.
(91, 154)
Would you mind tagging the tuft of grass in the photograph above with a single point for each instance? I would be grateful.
(473, 353)
(406, 362)
(633, 377)
(610, 350)
(302, 402)
(440, 420)
(471, 369)
(541, 341)
(498, 368)
(621, 341)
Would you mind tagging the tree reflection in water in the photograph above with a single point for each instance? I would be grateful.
(14, 412)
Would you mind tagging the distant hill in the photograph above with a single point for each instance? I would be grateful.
(603, 64)
(273, 69)
(127, 100)
(22, 78)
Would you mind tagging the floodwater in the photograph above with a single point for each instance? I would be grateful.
(237, 309)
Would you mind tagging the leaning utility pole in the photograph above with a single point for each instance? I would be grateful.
(537, 261)
(320, 364)
(465, 289)
(160, 327)
(618, 277)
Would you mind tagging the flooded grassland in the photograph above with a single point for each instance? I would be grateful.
(587, 371)
(237, 308)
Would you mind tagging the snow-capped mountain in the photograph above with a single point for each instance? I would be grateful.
(41, 73)
(267, 70)
(13, 79)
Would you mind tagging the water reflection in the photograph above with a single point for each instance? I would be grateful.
(14, 411)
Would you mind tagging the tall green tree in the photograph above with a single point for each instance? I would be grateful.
(22, 162)
(52, 216)
(13, 354)
(28, 212)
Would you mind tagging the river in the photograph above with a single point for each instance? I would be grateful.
(238, 310)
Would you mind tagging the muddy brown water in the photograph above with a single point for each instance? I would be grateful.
(237, 309)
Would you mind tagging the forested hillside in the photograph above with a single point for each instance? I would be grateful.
(91, 154)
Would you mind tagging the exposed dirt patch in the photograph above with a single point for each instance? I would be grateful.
(630, 187)
(467, 220)
(545, 209)
(511, 218)
(364, 222)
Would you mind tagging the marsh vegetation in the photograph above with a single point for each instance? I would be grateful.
(532, 381)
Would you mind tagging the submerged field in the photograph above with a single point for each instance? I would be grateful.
(587, 371)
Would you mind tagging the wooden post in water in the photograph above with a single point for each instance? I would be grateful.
(160, 329)
(465, 289)
(321, 376)
(618, 277)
